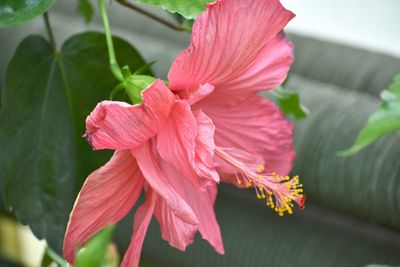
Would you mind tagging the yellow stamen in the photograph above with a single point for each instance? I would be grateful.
(260, 168)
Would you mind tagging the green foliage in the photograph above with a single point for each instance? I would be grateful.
(46, 98)
(289, 103)
(190, 9)
(85, 9)
(187, 23)
(15, 12)
(386, 119)
(93, 254)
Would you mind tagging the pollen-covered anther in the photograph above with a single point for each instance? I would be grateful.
(260, 168)
(280, 192)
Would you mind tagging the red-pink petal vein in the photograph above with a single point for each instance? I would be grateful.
(107, 196)
(225, 40)
(256, 126)
(141, 223)
(149, 165)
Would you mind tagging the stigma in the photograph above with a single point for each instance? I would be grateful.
(279, 192)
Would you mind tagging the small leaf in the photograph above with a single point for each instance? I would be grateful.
(145, 68)
(15, 12)
(93, 254)
(289, 102)
(85, 9)
(383, 121)
(190, 9)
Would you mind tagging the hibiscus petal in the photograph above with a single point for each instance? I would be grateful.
(118, 125)
(186, 142)
(266, 72)
(203, 205)
(258, 127)
(149, 164)
(204, 157)
(107, 196)
(141, 223)
(178, 233)
(225, 40)
(176, 141)
(192, 97)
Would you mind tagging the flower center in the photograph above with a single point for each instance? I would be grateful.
(279, 191)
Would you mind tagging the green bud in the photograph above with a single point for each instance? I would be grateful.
(135, 84)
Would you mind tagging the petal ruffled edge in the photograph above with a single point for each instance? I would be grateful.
(187, 143)
(119, 125)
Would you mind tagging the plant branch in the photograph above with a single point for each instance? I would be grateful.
(161, 20)
(48, 30)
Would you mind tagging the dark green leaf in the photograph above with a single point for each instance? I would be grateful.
(46, 98)
(289, 102)
(94, 252)
(383, 121)
(36, 140)
(190, 9)
(85, 9)
(14, 12)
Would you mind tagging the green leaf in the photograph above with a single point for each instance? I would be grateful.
(190, 9)
(85, 9)
(385, 120)
(187, 23)
(46, 98)
(93, 254)
(15, 12)
(289, 102)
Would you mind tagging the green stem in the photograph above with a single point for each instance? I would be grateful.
(115, 69)
(48, 30)
(56, 258)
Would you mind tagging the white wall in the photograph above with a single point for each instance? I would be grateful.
(373, 24)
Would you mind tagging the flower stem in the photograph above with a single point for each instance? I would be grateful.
(48, 30)
(115, 69)
(56, 258)
(161, 20)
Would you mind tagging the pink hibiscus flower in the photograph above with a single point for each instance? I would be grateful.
(210, 125)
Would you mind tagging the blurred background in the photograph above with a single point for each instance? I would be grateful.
(346, 53)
